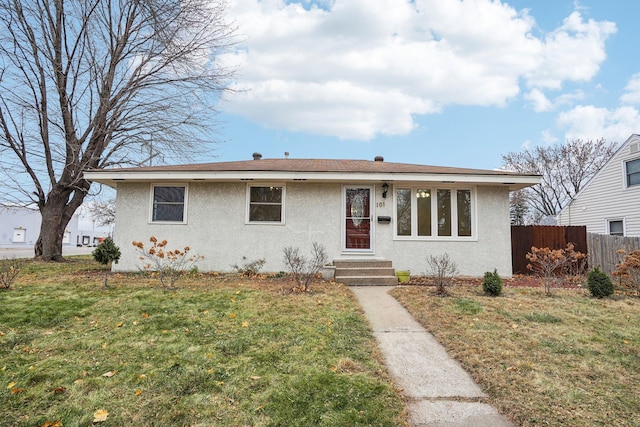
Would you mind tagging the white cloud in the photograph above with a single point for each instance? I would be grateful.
(359, 68)
(539, 101)
(548, 138)
(589, 122)
(632, 96)
(572, 52)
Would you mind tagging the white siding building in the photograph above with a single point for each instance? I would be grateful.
(20, 226)
(610, 202)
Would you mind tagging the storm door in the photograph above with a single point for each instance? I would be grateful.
(358, 213)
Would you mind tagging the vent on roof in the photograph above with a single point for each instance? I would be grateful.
(378, 159)
(257, 156)
(634, 147)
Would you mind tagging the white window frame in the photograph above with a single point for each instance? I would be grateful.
(434, 212)
(608, 222)
(185, 207)
(282, 203)
(625, 173)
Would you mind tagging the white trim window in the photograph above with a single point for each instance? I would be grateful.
(423, 212)
(615, 227)
(265, 203)
(632, 172)
(169, 203)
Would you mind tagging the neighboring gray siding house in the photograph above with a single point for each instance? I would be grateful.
(20, 226)
(610, 202)
(359, 210)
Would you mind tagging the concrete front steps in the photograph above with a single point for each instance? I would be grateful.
(365, 272)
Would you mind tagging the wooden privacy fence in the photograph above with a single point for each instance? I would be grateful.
(603, 250)
(523, 237)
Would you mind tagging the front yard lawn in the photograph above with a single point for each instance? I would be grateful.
(568, 360)
(216, 352)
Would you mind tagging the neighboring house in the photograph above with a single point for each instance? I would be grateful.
(359, 210)
(20, 226)
(610, 202)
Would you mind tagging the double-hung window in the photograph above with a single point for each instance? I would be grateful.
(616, 227)
(265, 204)
(169, 203)
(632, 170)
(424, 212)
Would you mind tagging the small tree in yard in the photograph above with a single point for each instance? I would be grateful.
(551, 264)
(599, 284)
(492, 283)
(169, 265)
(302, 268)
(105, 253)
(442, 269)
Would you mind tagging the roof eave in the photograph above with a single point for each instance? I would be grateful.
(513, 181)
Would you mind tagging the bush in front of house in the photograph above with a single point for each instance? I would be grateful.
(304, 269)
(442, 269)
(492, 283)
(599, 284)
(106, 252)
(628, 270)
(168, 265)
(249, 268)
(551, 264)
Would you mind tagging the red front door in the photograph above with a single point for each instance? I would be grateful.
(357, 219)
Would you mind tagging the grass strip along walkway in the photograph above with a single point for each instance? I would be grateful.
(569, 359)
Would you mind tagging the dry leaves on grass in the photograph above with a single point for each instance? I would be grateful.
(100, 416)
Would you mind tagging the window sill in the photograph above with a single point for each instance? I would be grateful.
(168, 222)
(435, 239)
(263, 223)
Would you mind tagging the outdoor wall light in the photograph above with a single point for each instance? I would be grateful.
(385, 188)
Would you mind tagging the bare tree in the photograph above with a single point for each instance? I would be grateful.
(104, 213)
(88, 84)
(564, 170)
(519, 207)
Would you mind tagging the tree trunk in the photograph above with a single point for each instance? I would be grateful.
(56, 214)
(49, 244)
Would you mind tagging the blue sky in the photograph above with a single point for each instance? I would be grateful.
(439, 82)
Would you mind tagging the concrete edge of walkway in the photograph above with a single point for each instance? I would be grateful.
(438, 391)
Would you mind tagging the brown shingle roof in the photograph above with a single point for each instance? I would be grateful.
(313, 165)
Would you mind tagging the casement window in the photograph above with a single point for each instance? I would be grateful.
(632, 170)
(423, 212)
(265, 204)
(169, 203)
(616, 227)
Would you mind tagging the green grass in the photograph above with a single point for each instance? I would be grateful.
(215, 352)
(568, 360)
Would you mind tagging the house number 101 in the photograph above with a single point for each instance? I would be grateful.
(379, 204)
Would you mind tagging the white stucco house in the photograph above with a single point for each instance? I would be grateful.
(610, 202)
(359, 210)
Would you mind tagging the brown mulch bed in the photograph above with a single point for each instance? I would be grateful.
(516, 281)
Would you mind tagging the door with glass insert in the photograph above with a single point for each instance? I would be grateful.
(357, 218)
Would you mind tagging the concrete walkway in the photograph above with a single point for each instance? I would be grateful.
(438, 391)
